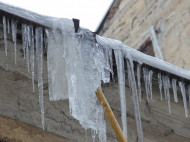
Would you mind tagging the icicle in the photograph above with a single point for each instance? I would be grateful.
(166, 84)
(27, 47)
(93, 135)
(160, 84)
(14, 36)
(86, 135)
(107, 70)
(5, 34)
(8, 26)
(111, 62)
(121, 81)
(156, 47)
(139, 80)
(32, 55)
(130, 68)
(150, 73)
(24, 38)
(182, 86)
(189, 92)
(39, 60)
(168, 93)
(145, 74)
(174, 82)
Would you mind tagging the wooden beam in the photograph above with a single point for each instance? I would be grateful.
(110, 116)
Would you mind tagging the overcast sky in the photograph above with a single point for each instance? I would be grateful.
(90, 12)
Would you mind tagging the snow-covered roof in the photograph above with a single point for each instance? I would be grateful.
(45, 21)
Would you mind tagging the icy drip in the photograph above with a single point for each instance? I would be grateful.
(121, 81)
(107, 70)
(14, 35)
(182, 87)
(139, 80)
(145, 74)
(39, 61)
(32, 55)
(189, 92)
(5, 33)
(111, 62)
(130, 68)
(8, 26)
(27, 48)
(166, 84)
(174, 83)
(150, 73)
(160, 84)
(24, 37)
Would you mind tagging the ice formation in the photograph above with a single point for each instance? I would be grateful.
(150, 73)
(145, 75)
(79, 62)
(160, 84)
(39, 62)
(166, 84)
(182, 87)
(121, 80)
(5, 33)
(189, 93)
(139, 80)
(174, 86)
(157, 50)
(14, 35)
(132, 81)
(79, 66)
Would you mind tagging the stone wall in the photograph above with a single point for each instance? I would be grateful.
(132, 21)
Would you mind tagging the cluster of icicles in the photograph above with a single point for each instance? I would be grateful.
(77, 63)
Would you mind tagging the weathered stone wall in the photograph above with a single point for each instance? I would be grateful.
(132, 21)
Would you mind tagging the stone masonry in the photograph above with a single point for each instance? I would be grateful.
(132, 21)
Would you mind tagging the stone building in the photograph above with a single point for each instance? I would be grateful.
(129, 21)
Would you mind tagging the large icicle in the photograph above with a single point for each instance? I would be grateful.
(150, 73)
(8, 26)
(174, 83)
(145, 74)
(160, 84)
(111, 62)
(5, 33)
(121, 80)
(139, 80)
(182, 87)
(166, 84)
(156, 47)
(57, 51)
(32, 54)
(39, 61)
(130, 68)
(84, 64)
(189, 93)
(24, 39)
(14, 35)
(27, 48)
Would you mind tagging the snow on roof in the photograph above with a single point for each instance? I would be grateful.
(45, 21)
